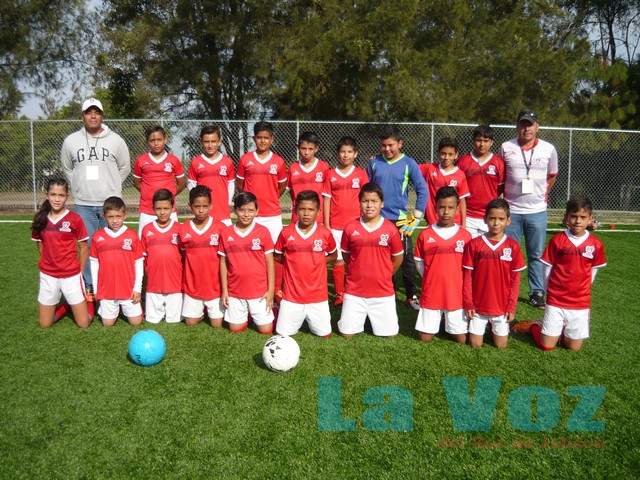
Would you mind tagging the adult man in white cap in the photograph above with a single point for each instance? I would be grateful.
(95, 161)
(531, 168)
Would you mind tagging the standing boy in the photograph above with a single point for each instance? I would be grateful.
(438, 257)
(372, 249)
(484, 172)
(214, 170)
(305, 248)
(393, 171)
(117, 266)
(492, 264)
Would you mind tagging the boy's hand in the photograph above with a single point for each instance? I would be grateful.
(469, 314)
(224, 296)
(510, 316)
(268, 298)
(409, 224)
(136, 297)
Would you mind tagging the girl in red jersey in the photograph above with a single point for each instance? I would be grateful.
(59, 232)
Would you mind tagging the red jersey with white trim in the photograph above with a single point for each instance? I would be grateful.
(163, 257)
(483, 180)
(305, 266)
(59, 257)
(246, 262)
(216, 174)
(201, 271)
(572, 259)
(343, 189)
(437, 178)
(156, 174)
(370, 268)
(442, 254)
(491, 264)
(302, 178)
(116, 255)
(261, 177)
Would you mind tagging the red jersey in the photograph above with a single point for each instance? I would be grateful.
(492, 264)
(305, 267)
(261, 177)
(201, 274)
(437, 178)
(343, 190)
(163, 257)
(442, 257)
(483, 180)
(116, 253)
(306, 178)
(156, 174)
(216, 174)
(246, 263)
(59, 257)
(370, 268)
(572, 259)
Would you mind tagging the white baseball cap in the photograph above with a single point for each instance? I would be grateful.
(92, 102)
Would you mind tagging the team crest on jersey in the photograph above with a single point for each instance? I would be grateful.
(506, 255)
(460, 246)
(491, 170)
(127, 244)
(384, 240)
(255, 244)
(273, 169)
(214, 239)
(317, 245)
(318, 176)
(453, 183)
(174, 239)
(589, 251)
(355, 183)
(168, 167)
(223, 170)
(66, 227)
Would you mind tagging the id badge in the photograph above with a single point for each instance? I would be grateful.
(527, 186)
(92, 172)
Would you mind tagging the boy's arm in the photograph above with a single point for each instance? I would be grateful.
(95, 267)
(331, 257)
(397, 261)
(419, 265)
(346, 257)
(240, 184)
(327, 211)
(136, 295)
(224, 283)
(467, 293)
(231, 190)
(513, 296)
(546, 273)
(271, 280)
(282, 186)
(137, 182)
(278, 257)
(83, 254)
(463, 212)
(181, 183)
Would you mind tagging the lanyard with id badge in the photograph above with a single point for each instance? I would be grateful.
(527, 183)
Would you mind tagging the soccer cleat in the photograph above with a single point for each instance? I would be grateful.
(523, 328)
(537, 300)
(413, 302)
(89, 295)
(339, 300)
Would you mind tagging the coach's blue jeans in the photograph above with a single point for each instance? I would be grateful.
(534, 228)
(93, 221)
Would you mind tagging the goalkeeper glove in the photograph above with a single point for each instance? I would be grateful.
(409, 224)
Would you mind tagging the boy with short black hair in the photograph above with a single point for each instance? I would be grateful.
(117, 266)
(438, 257)
(485, 178)
(492, 265)
(305, 248)
(372, 249)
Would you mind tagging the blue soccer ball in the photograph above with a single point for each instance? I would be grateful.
(147, 348)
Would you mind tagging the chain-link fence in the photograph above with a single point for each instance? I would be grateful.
(602, 164)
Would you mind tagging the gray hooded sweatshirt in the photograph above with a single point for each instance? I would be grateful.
(95, 166)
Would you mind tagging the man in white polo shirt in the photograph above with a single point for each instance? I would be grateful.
(531, 168)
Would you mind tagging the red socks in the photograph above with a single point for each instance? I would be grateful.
(61, 311)
(338, 278)
(536, 332)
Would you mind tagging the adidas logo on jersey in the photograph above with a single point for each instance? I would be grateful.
(431, 240)
(187, 235)
(334, 179)
(200, 167)
(250, 163)
(355, 232)
(290, 237)
(100, 239)
(149, 233)
(296, 173)
(230, 238)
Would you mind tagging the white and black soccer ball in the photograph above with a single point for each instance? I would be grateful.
(281, 353)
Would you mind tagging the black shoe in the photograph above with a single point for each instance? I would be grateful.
(537, 300)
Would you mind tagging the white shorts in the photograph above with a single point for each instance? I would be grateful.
(380, 310)
(476, 227)
(160, 305)
(194, 307)
(575, 322)
(455, 322)
(111, 308)
(499, 324)
(292, 315)
(52, 288)
(337, 236)
(273, 224)
(146, 219)
(239, 309)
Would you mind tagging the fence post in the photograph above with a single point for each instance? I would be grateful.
(33, 167)
(431, 146)
(569, 165)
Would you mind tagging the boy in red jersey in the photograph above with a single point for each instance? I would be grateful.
(341, 205)
(492, 265)
(247, 268)
(200, 241)
(308, 173)
(445, 174)
(163, 262)
(214, 170)
(117, 266)
(438, 257)
(154, 170)
(372, 249)
(485, 177)
(305, 248)
(571, 260)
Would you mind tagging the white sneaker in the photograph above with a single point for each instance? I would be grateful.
(413, 302)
